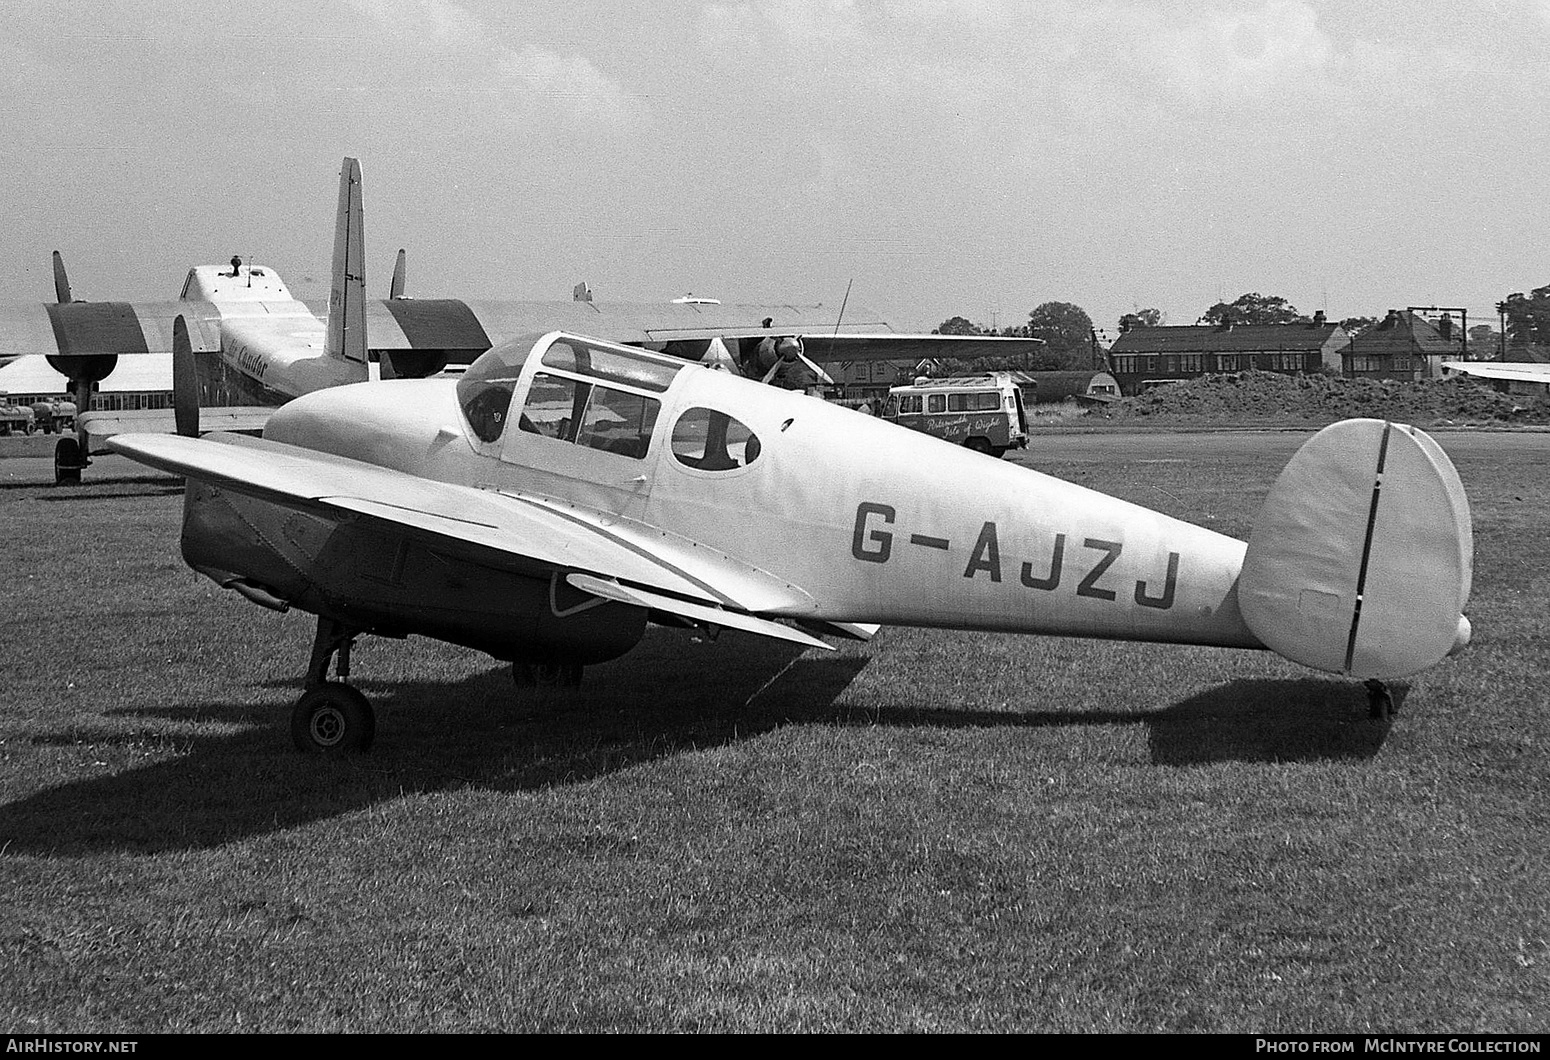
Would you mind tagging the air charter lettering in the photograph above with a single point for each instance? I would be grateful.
(871, 543)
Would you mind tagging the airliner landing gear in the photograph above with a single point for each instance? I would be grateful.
(332, 718)
(1380, 701)
(68, 462)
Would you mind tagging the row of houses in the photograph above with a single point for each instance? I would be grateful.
(1403, 346)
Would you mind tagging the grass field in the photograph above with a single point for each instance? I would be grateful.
(932, 831)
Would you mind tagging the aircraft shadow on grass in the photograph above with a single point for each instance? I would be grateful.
(479, 732)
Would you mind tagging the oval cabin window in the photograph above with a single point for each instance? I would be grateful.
(708, 440)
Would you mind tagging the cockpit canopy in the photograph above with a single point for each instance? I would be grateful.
(597, 395)
(585, 391)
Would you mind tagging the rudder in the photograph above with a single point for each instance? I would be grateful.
(346, 336)
(1361, 557)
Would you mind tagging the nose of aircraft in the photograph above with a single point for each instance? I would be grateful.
(381, 423)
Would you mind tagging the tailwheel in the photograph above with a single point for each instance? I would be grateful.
(1380, 702)
(332, 719)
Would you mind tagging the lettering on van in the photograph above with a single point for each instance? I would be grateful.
(964, 423)
(1087, 565)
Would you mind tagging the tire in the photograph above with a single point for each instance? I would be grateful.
(67, 462)
(333, 720)
(980, 445)
(547, 675)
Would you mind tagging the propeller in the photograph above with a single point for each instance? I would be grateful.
(61, 281)
(397, 289)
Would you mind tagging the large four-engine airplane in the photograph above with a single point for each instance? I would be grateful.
(256, 346)
(565, 491)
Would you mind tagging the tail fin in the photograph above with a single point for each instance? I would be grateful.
(185, 381)
(347, 296)
(1361, 558)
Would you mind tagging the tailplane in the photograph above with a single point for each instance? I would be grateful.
(1361, 557)
(347, 295)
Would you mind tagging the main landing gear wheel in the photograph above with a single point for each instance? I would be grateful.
(546, 675)
(1380, 702)
(67, 462)
(332, 719)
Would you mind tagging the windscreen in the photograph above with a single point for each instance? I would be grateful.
(485, 389)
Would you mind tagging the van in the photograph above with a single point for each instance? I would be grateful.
(983, 413)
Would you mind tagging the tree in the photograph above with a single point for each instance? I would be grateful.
(957, 326)
(1528, 318)
(1141, 318)
(1354, 326)
(1253, 308)
(1067, 332)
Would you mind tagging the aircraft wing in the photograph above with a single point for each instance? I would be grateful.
(1512, 371)
(454, 324)
(243, 419)
(83, 329)
(639, 565)
(77, 329)
(829, 347)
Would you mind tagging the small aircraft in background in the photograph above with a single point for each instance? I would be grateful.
(255, 345)
(564, 491)
(1501, 371)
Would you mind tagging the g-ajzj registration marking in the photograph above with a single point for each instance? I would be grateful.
(872, 544)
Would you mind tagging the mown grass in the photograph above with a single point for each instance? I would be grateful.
(933, 831)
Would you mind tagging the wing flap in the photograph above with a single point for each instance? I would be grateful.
(609, 589)
(241, 418)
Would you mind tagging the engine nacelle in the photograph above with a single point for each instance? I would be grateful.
(380, 579)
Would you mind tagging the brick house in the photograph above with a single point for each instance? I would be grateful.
(1403, 346)
(1144, 357)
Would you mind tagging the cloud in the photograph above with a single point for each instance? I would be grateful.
(438, 24)
(1223, 55)
(542, 90)
(569, 86)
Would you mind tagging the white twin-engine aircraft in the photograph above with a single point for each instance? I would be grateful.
(566, 490)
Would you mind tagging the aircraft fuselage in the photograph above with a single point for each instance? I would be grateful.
(875, 523)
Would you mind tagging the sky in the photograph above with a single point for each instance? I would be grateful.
(935, 158)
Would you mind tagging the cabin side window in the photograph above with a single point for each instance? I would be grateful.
(617, 421)
(598, 417)
(713, 441)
